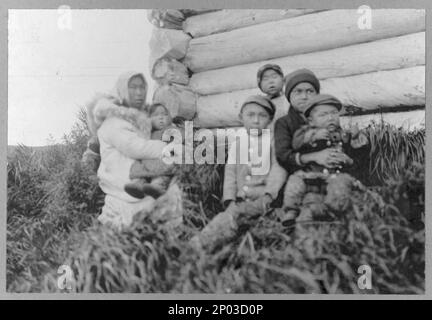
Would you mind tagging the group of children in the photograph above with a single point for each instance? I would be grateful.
(309, 153)
(319, 148)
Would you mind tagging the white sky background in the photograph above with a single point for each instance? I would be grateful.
(53, 71)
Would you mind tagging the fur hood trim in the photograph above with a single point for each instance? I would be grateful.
(104, 106)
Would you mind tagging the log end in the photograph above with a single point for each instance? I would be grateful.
(167, 43)
(166, 18)
(168, 70)
(178, 99)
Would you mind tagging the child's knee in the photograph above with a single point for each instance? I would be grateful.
(339, 192)
(313, 207)
(295, 185)
(294, 191)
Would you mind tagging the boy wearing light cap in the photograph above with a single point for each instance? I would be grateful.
(243, 191)
(323, 132)
(270, 82)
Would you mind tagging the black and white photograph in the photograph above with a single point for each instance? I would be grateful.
(216, 151)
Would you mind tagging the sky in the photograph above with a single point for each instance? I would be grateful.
(58, 59)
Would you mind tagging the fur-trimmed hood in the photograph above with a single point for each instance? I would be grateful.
(103, 106)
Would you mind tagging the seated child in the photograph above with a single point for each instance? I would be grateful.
(270, 80)
(151, 177)
(91, 156)
(323, 131)
(243, 191)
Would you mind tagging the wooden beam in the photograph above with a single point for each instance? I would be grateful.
(230, 19)
(393, 53)
(167, 43)
(408, 120)
(194, 12)
(393, 88)
(308, 33)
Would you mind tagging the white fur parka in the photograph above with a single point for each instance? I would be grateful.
(124, 136)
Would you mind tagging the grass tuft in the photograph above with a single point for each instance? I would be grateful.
(53, 201)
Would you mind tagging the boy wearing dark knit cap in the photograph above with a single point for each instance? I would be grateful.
(322, 132)
(270, 81)
(300, 86)
(245, 181)
(300, 76)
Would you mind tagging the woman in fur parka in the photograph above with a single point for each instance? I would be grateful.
(123, 128)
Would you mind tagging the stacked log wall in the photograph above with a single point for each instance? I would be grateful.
(206, 62)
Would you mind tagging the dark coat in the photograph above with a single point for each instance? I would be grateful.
(285, 127)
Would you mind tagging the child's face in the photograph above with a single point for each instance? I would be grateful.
(271, 82)
(324, 116)
(301, 94)
(254, 116)
(160, 118)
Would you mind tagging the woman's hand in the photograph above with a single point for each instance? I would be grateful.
(329, 158)
(344, 158)
(173, 153)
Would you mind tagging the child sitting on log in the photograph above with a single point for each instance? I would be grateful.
(243, 190)
(323, 131)
(270, 80)
(151, 177)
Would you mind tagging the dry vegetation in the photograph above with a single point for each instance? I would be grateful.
(53, 201)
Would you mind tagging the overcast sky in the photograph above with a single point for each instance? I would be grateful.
(53, 70)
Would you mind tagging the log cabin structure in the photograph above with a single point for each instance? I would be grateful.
(205, 61)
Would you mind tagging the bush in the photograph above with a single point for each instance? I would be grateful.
(26, 175)
(393, 150)
(319, 257)
(53, 201)
(50, 193)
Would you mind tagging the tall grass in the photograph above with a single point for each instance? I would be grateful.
(53, 201)
(394, 149)
(49, 194)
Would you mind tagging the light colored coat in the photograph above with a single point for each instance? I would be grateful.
(240, 182)
(124, 135)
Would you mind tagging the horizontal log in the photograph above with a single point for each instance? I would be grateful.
(169, 70)
(194, 12)
(178, 99)
(393, 88)
(393, 53)
(230, 19)
(308, 33)
(166, 18)
(167, 43)
(408, 120)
